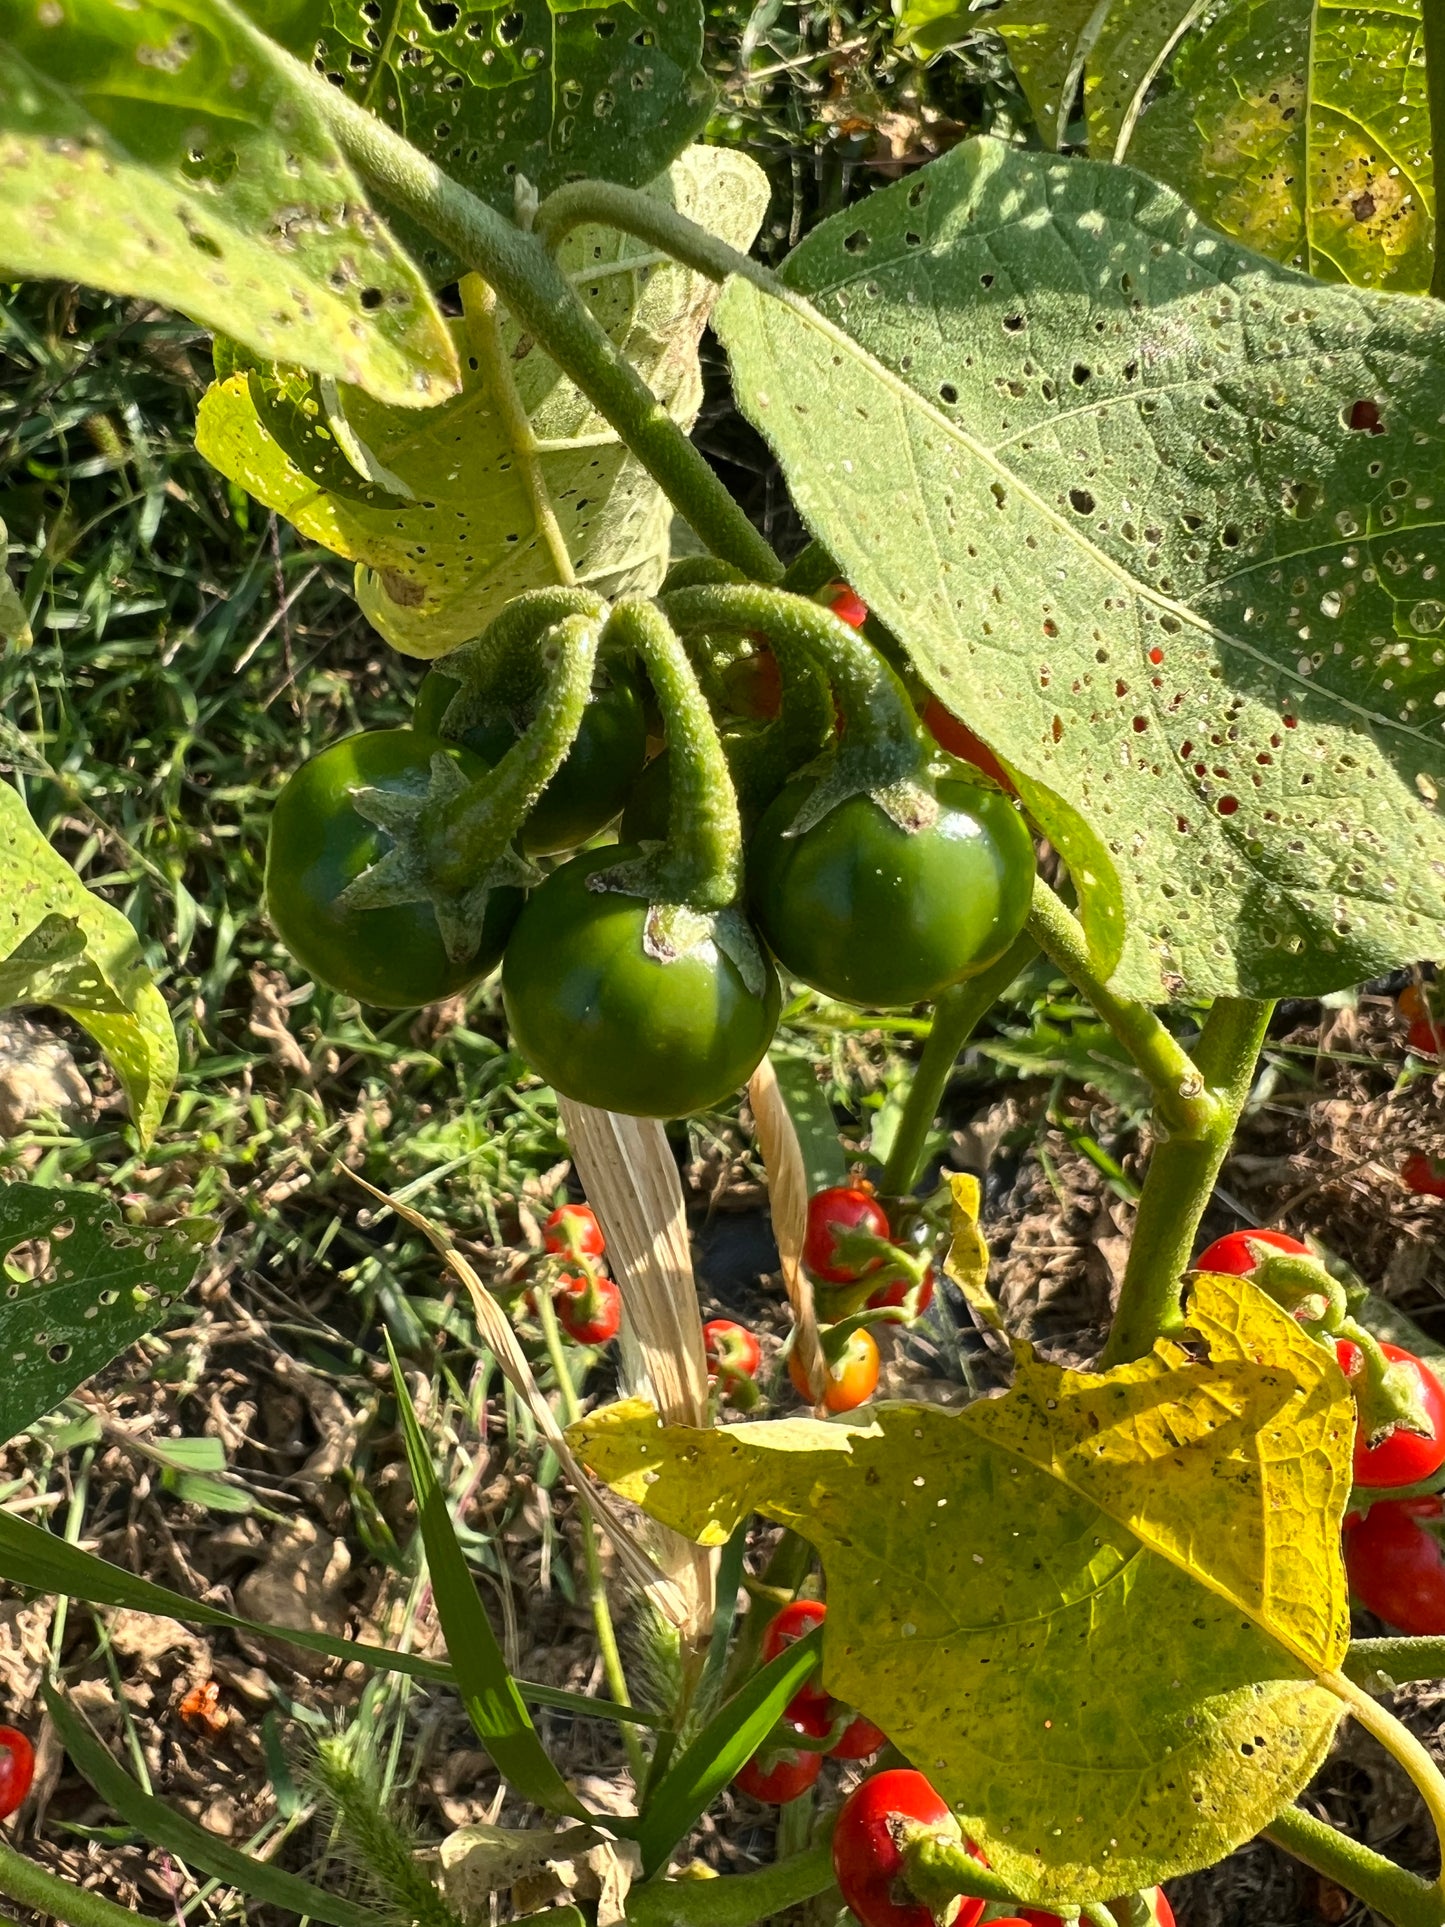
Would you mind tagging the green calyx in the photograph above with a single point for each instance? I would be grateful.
(883, 752)
(452, 847)
(1387, 1391)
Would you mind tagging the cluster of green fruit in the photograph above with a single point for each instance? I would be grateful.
(794, 810)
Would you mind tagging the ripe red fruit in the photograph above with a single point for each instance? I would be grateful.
(732, 1350)
(847, 605)
(788, 1774)
(959, 740)
(851, 1380)
(1424, 1175)
(841, 1208)
(17, 1768)
(589, 1310)
(1232, 1253)
(1402, 1457)
(859, 1740)
(799, 1616)
(868, 1856)
(1426, 1035)
(1396, 1568)
(896, 1292)
(573, 1231)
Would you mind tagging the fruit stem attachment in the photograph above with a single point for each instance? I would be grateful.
(701, 863)
(956, 1016)
(1398, 1896)
(544, 302)
(648, 219)
(938, 1867)
(501, 670)
(1402, 1745)
(465, 834)
(1180, 1180)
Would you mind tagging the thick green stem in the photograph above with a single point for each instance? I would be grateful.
(881, 733)
(596, 1585)
(956, 1016)
(502, 669)
(47, 1894)
(813, 568)
(467, 833)
(735, 1900)
(1381, 1664)
(542, 299)
(937, 1867)
(630, 212)
(1399, 1896)
(701, 863)
(1180, 1097)
(1181, 1177)
(1432, 24)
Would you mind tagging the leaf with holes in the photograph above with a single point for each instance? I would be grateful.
(167, 150)
(518, 483)
(611, 89)
(1124, 1588)
(80, 1288)
(1048, 42)
(60, 945)
(1160, 520)
(1303, 128)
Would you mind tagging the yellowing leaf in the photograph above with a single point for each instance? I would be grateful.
(1093, 1611)
(517, 483)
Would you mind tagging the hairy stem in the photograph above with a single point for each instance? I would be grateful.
(937, 1867)
(642, 215)
(1180, 1097)
(542, 299)
(1399, 1896)
(735, 1900)
(1180, 1180)
(596, 1586)
(1378, 1664)
(1402, 1745)
(956, 1016)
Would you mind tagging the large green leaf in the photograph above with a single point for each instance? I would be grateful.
(1302, 127)
(1093, 1611)
(88, 1288)
(441, 511)
(60, 945)
(166, 149)
(1160, 519)
(613, 89)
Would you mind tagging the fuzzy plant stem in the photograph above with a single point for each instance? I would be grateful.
(502, 668)
(1387, 1889)
(596, 1586)
(602, 204)
(733, 1900)
(956, 1016)
(544, 301)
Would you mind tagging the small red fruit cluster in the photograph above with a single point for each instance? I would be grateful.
(1392, 1548)
(814, 1725)
(587, 1302)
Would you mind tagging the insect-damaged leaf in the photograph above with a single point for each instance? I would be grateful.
(1120, 1587)
(1159, 519)
(445, 513)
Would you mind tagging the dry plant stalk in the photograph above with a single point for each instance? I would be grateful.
(496, 1329)
(630, 1178)
(788, 1202)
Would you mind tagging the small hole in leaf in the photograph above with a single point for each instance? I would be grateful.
(858, 242)
(509, 27)
(442, 14)
(58, 1354)
(948, 393)
(1081, 500)
(1082, 375)
(1227, 805)
(1364, 417)
(371, 299)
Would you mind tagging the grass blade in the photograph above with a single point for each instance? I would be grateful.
(727, 1742)
(490, 1694)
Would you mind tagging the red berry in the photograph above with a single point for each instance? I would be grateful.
(788, 1774)
(1396, 1568)
(589, 1310)
(1425, 1176)
(851, 1380)
(753, 685)
(17, 1768)
(731, 1349)
(1232, 1253)
(1401, 1457)
(959, 740)
(868, 1855)
(847, 605)
(897, 1292)
(841, 1208)
(573, 1231)
(859, 1740)
(784, 1629)
(1426, 1035)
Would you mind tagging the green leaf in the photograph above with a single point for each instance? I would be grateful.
(456, 515)
(14, 622)
(612, 89)
(84, 1289)
(725, 1744)
(489, 1693)
(1302, 127)
(36, 1559)
(1048, 42)
(813, 1120)
(60, 945)
(168, 150)
(1116, 485)
(1121, 1588)
(162, 1828)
